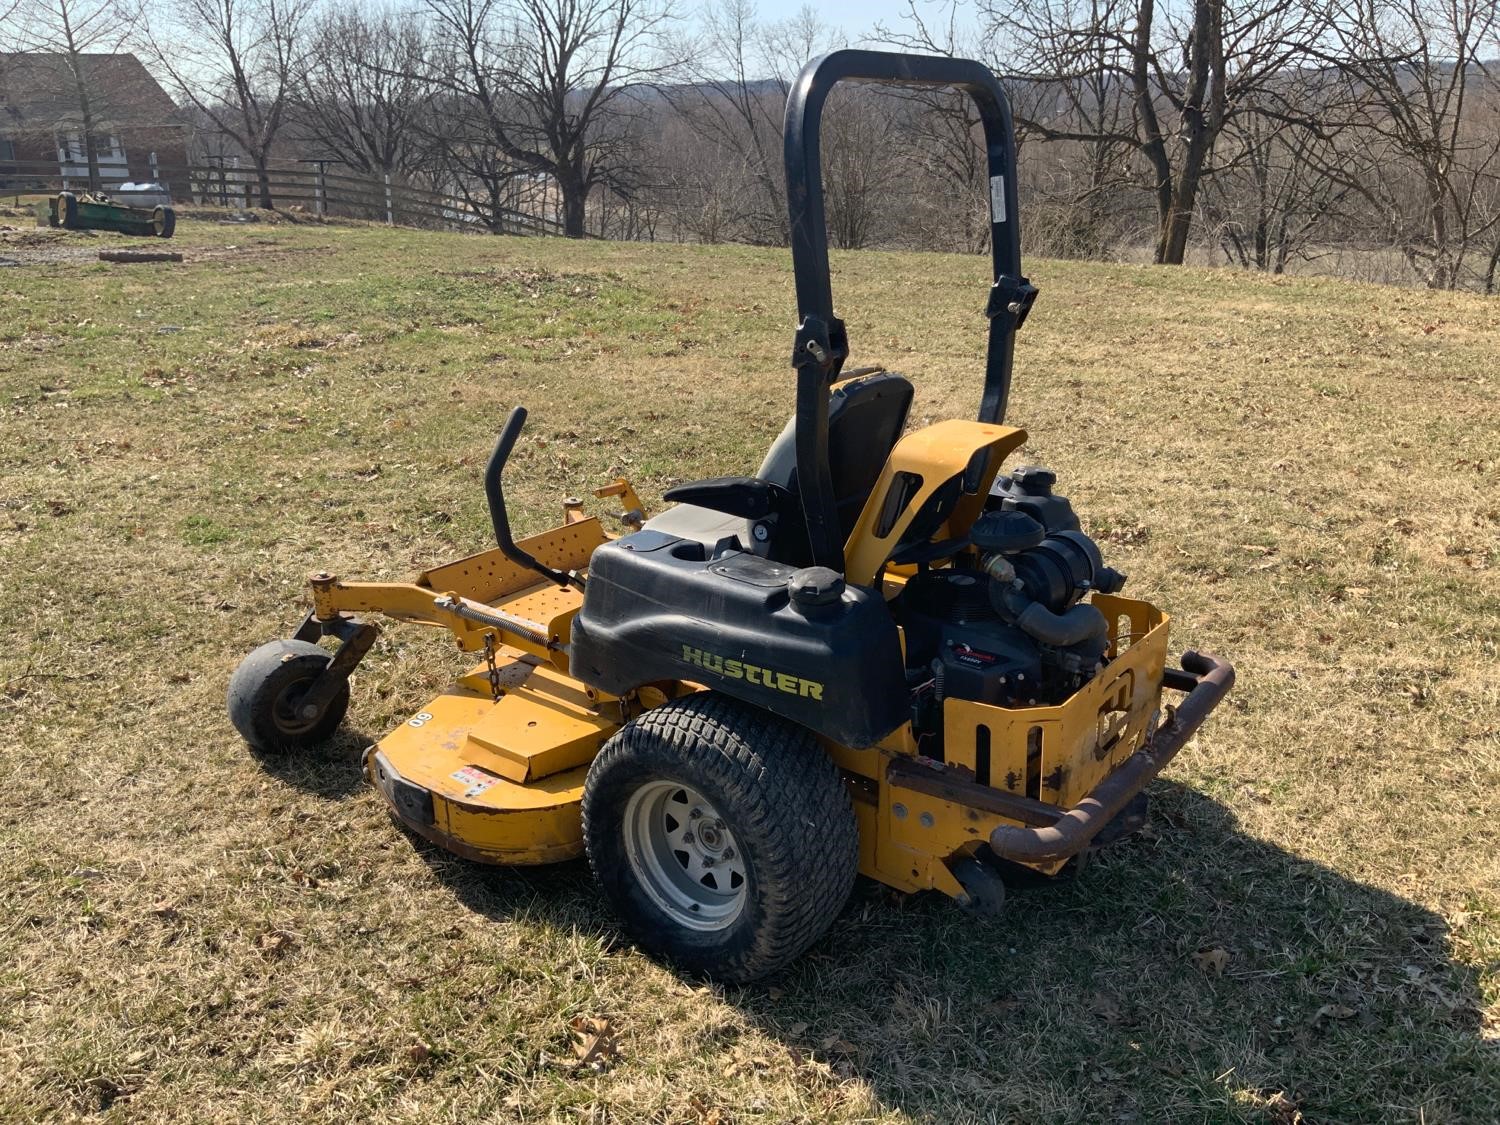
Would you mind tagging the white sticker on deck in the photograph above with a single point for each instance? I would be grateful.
(997, 199)
(476, 779)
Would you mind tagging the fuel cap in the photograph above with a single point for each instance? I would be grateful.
(816, 585)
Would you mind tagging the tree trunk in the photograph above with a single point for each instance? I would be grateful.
(263, 179)
(575, 197)
(1143, 91)
(1201, 121)
(86, 114)
(1172, 249)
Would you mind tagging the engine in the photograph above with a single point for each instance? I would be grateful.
(1012, 629)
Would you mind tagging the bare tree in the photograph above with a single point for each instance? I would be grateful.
(859, 177)
(362, 96)
(941, 142)
(738, 73)
(549, 85)
(702, 184)
(1271, 191)
(63, 34)
(237, 62)
(1163, 79)
(460, 157)
(1418, 153)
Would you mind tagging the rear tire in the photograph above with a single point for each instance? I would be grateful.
(266, 689)
(722, 836)
(67, 210)
(164, 222)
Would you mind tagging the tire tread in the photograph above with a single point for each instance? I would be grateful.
(788, 793)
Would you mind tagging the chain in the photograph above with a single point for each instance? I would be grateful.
(494, 671)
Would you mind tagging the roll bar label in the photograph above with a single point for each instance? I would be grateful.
(997, 199)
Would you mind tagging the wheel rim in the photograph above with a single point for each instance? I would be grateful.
(685, 856)
(287, 710)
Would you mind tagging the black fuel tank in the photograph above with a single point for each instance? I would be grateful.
(658, 608)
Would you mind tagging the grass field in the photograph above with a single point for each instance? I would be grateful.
(1306, 474)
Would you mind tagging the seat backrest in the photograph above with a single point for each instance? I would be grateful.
(865, 418)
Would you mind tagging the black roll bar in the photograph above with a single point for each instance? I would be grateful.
(821, 344)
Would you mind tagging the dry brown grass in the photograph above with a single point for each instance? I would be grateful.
(1304, 472)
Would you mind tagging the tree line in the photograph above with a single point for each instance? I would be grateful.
(1354, 135)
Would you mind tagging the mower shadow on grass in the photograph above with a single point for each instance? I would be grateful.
(1196, 973)
(331, 771)
(1193, 973)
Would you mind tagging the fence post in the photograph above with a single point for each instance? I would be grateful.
(320, 193)
(390, 214)
(155, 175)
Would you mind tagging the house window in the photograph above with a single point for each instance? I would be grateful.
(107, 149)
(7, 149)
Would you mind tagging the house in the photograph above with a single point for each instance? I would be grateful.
(138, 131)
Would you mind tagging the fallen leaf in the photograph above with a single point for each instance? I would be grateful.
(418, 1053)
(706, 1113)
(1284, 1110)
(1213, 960)
(1332, 1012)
(595, 1043)
(276, 943)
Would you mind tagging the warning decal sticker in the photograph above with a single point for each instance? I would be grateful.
(476, 779)
(997, 199)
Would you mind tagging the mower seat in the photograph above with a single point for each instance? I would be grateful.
(866, 416)
(701, 525)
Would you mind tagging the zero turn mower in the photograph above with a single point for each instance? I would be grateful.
(880, 654)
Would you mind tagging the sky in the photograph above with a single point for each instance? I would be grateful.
(855, 17)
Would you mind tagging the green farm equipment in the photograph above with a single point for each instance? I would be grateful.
(97, 211)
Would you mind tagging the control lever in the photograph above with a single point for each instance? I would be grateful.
(495, 494)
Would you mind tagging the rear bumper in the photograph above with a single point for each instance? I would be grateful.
(1205, 680)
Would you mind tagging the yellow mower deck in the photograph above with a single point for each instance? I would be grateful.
(505, 777)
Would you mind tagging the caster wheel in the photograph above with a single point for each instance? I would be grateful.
(265, 694)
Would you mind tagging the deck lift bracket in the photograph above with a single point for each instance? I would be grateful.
(355, 638)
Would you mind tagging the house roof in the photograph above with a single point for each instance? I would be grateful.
(38, 92)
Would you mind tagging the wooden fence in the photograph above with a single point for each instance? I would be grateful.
(315, 190)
